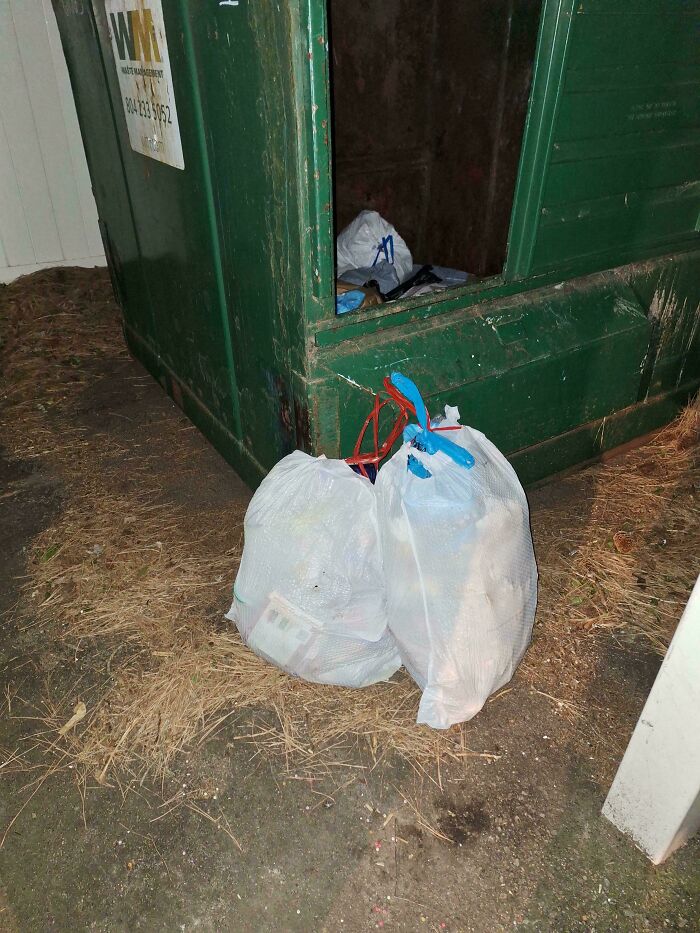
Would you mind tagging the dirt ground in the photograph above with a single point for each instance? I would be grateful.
(509, 838)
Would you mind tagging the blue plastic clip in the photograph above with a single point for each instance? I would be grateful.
(420, 436)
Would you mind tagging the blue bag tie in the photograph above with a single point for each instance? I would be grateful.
(421, 436)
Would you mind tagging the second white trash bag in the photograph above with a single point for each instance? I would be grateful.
(460, 571)
(309, 595)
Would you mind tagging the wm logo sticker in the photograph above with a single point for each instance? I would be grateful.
(135, 36)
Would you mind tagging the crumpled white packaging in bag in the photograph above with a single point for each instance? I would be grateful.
(362, 243)
(309, 595)
(460, 571)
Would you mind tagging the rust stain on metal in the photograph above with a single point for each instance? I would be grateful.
(302, 423)
(176, 392)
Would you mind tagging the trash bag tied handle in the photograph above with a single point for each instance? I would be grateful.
(404, 394)
(424, 434)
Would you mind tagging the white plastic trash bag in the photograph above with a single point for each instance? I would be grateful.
(309, 595)
(460, 572)
(370, 240)
(384, 274)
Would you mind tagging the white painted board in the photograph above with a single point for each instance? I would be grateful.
(655, 797)
(47, 211)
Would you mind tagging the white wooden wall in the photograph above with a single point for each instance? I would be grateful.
(47, 212)
(655, 797)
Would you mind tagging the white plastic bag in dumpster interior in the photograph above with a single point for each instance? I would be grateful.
(309, 595)
(384, 274)
(460, 572)
(369, 240)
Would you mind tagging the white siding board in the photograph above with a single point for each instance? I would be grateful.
(14, 232)
(40, 78)
(47, 209)
(88, 208)
(25, 154)
(655, 797)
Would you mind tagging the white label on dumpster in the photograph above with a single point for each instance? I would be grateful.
(137, 33)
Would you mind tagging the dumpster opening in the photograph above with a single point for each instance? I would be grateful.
(429, 103)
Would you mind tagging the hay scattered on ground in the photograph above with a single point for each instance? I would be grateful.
(133, 578)
(626, 559)
(56, 324)
(136, 588)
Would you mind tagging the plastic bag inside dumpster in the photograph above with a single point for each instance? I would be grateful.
(429, 100)
(370, 242)
(459, 565)
(350, 297)
(309, 595)
(372, 258)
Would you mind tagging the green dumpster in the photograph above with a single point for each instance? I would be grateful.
(550, 150)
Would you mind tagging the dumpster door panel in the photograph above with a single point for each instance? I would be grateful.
(173, 214)
(532, 368)
(623, 172)
(242, 52)
(215, 218)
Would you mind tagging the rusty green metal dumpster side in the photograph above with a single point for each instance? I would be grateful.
(206, 257)
(591, 335)
(219, 226)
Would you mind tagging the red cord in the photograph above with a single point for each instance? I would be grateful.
(375, 456)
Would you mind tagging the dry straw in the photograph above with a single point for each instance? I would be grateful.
(137, 587)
